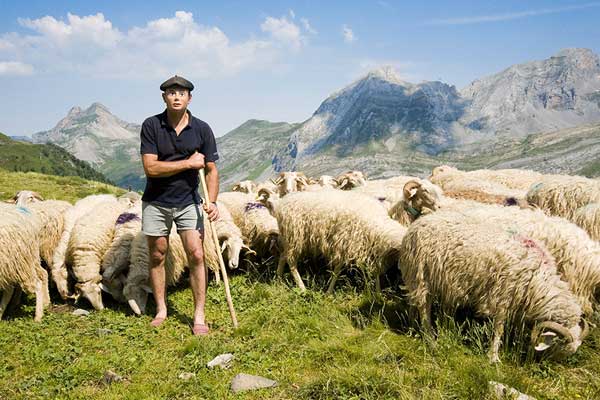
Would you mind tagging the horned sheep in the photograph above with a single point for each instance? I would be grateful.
(502, 275)
(344, 227)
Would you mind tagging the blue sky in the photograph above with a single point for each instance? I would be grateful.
(274, 60)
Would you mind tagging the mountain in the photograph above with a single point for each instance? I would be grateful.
(560, 92)
(382, 124)
(247, 151)
(45, 158)
(22, 138)
(108, 143)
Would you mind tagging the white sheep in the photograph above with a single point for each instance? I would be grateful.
(562, 195)
(59, 268)
(588, 217)
(51, 214)
(519, 179)
(289, 182)
(230, 236)
(255, 221)
(246, 186)
(388, 191)
(20, 258)
(90, 239)
(25, 197)
(504, 275)
(343, 227)
(577, 256)
(349, 180)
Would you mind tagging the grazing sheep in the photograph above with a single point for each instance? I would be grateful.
(91, 237)
(588, 217)
(499, 274)
(255, 221)
(346, 228)
(472, 186)
(51, 214)
(349, 180)
(562, 195)
(116, 259)
(244, 187)
(59, 268)
(518, 179)
(137, 285)
(288, 182)
(577, 256)
(20, 258)
(230, 236)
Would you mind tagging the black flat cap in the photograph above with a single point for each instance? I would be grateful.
(177, 81)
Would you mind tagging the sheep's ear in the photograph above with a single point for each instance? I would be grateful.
(37, 196)
(545, 340)
(103, 287)
(223, 246)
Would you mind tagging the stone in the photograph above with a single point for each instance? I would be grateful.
(81, 312)
(186, 376)
(501, 391)
(243, 382)
(222, 360)
(110, 377)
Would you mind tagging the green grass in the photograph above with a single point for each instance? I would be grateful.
(348, 346)
(69, 188)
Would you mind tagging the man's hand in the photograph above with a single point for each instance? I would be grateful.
(212, 210)
(196, 161)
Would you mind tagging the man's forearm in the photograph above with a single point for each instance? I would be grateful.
(212, 182)
(163, 169)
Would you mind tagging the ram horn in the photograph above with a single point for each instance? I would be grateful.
(409, 187)
(553, 326)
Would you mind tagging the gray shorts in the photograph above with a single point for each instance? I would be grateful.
(158, 220)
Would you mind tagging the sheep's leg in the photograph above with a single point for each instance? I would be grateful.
(39, 301)
(499, 322)
(43, 274)
(336, 273)
(6, 296)
(296, 275)
(281, 265)
(15, 301)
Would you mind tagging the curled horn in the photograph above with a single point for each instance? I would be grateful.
(408, 187)
(236, 188)
(263, 194)
(279, 179)
(553, 326)
(344, 182)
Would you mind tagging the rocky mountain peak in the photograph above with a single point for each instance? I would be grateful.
(580, 58)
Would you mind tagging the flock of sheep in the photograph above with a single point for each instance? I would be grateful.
(511, 245)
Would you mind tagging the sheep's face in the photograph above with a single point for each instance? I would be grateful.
(442, 169)
(327, 181)
(92, 292)
(560, 343)
(421, 196)
(24, 197)
(350, 180)
(231, 249)
(244, 187)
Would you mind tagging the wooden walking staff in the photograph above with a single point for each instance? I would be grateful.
(215, 238)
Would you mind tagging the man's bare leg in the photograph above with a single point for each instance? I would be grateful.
(158, 246)
(192, 243)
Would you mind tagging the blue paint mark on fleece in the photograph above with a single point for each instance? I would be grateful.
(253, 206)
(126, 217)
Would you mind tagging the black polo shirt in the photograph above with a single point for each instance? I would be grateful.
(158, 137)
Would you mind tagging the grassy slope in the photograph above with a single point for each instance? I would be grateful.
(43, 158)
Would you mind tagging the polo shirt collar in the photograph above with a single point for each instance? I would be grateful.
(165, 123)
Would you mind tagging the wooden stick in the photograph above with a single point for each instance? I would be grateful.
(213, 233)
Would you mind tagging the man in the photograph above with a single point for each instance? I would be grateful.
(174, 147)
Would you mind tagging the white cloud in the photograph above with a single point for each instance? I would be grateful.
(92, 46)
(284, 31)
(8, 68)
(348, 34)
(508, 16)
(307, 27)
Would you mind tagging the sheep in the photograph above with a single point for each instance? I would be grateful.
(59, 268)
(518, 179)
(500, 274)
(25, 197)
(288, 182)
(562, 195)
(90, 239)
(20, 259)
(346, 228)
(470, 185)
(230, 236)
(387, 191)
(588, 217)
(116, 260)
(246, 186)
(255, 221)
(350, 179)
(137, 286)
(51, 214)
(577, 256)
